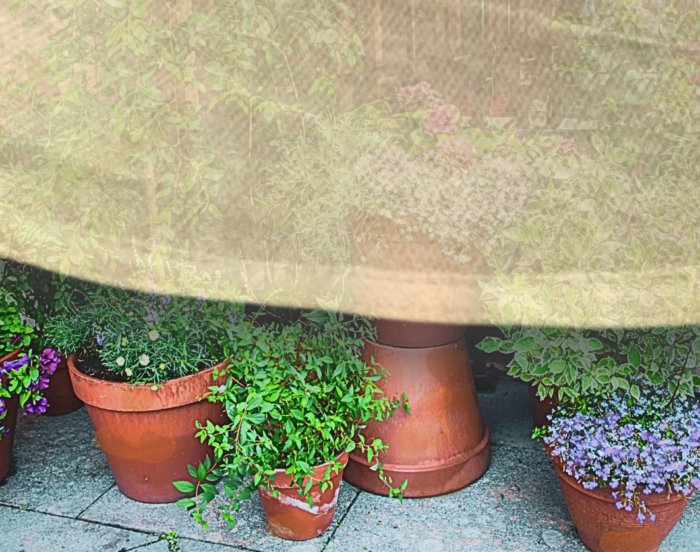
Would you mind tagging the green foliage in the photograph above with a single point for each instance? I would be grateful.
(297, 397)
(625, 59)
(15, 329)
(161, 117)
(569, 363)
(316, 192)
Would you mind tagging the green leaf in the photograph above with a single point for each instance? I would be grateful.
(119, 127)
(115, 4)
(598, 144)
(216, 68)
(186, 503)
(214, 211)
(489, 345)
(184, 486)
(557, 366)
(634, 357)
(524, 344)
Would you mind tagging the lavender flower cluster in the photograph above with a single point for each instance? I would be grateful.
(48, 363)
(633, 448)
(454, 205)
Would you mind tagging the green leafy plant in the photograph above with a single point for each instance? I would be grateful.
(297, 396)
(15, 329)
(150, 119)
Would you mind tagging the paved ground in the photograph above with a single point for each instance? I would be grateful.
(60, 495)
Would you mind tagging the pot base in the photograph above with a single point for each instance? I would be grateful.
(427, 481)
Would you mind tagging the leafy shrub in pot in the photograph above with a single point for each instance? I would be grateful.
(141, 361)
(297, 397)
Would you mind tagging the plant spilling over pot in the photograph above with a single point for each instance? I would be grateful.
(633, 446)
(27, 376)
(297, 396)
(141, 337)
(15, 332)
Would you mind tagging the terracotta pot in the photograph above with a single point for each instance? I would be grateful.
(604, 528)
(59, 393)
(289, 516)
(149, 436)
(443, 445)
(10, 422)
(541, 408)
(397, 333)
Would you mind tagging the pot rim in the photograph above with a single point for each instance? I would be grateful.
(127, 397)
(605, 494)
(278, 484)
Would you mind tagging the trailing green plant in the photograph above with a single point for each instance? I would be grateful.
(297, 396)
(157, 114)
(16, 329)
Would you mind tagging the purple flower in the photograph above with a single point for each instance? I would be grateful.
(49, 361)
(37, 406)
(40, 384)
(652, 517)
(14, 364)
(151, 316)
(165, 300)
(3, 406)
(640, 517)
(441, 120)
(15, 339)
(419, 95)
(200, 302)
(233, 319)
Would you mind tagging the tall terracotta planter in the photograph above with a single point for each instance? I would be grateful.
(7, 441)
(59, 394)
(149, 436)
(443, 445)
(604, 528)
(290, 516)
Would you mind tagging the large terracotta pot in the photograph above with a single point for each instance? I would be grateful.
(541, 408)
(443, 445)
(604, 528)
(59, 393)
(9, 421)
(149, 436)
(290, 516)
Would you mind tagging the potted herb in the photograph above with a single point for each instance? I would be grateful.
(538, 114)
(140, 363)
(297, 396)
(626, 464)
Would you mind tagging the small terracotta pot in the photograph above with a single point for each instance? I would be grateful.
(604, 528)
(289, 516)
(541, 408)
(9, 421)
(59, 393)
(397, 333)
(443, 445)
(149, 436)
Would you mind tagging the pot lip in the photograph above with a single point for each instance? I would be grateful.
(127, 397)
(279, 484)
(605, 495)
(11, 356)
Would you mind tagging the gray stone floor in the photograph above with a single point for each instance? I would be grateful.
(60, 495)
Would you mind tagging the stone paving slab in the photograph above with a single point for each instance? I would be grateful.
(516, 505)
(507, 412)
(250, 532)
(56, 468)
(27, 531)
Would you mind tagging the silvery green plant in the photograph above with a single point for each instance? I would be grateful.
(449, 203)
(148, 118)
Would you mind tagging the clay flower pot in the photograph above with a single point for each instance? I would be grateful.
(10, 423)
(149, 436)
(604, 528)
(443, 445)
(290, 516)
(59, 393)
(541, 408)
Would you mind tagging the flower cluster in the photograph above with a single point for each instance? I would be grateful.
(565, 146)
(27, 376)
(419, 95)
(441, 120)
(633, 448)
(454, 206)
(456, 152)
